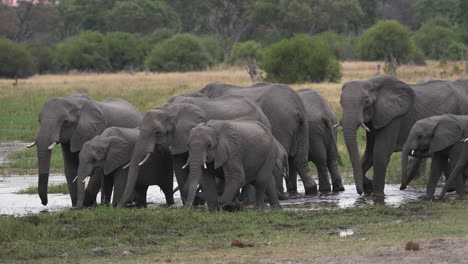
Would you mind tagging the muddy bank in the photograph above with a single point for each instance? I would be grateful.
(7, 148)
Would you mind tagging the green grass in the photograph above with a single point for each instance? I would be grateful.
(52, 188)
(160, 233)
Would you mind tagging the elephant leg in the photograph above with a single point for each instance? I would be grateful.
(259, 194)
(106, 188)
(332, 166)
(439, 161)
(140, 195)
(70, 162)
(367, 161)
(319, 157)
(291, 181)
(304, 172)
(94, 185)
(272, 194)
(383, 148)
(234, 178)
(210, 192)
(247, 195)
(120, 181)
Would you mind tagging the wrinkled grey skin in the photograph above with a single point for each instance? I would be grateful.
(323, 151)
(389, 108)
(170, 125)
(111, 151)
(71, 121)
(286, 113)
(440, 137)
(243, 149)
(459, 172)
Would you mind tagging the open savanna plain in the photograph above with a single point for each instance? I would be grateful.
(160, 235)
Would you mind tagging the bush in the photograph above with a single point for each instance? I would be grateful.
(43, 55)
(300, 59)
(15, 60)
(213, 47)
(415, 56)
(344, 48)
(159, 35)
(125, 49)
(246, 52)
(385, 39)
(88, 51)
(182, 52)
(434, 37)
(455, 50)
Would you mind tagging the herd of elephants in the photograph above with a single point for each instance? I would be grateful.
(227, 144)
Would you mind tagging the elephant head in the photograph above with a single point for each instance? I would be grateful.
(108, 153)
(374, 102)
(167, 126)
(212, 142)
(428, 136)
(73, 120)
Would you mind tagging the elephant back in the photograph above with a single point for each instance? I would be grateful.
(120, 113)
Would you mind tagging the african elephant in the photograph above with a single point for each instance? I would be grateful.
(245, 151)
(71, 121)
(323, 151)
(111, 151)
(286, 112)
(440, 137)
(459, 170)
(387, 108)
(170, 124)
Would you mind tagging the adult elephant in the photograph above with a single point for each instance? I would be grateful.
(111, 151)
(286, 112)
(323, 151)
(387, 108)
(169, 126)
(71, 121)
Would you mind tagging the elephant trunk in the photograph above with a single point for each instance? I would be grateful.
(84, 170)
(44, 140)
(350, 133)
(142, 149)
(190, 188)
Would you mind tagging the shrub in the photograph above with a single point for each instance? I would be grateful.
(344, 48)
(455, 51)
(15, 60)
(182, 52)
(245, 52)
(159, 35)
(88, 51)
(213, 47)
(415, 56)
(125, 49)
(43, 55)
(384, 39)
(434, 37)
(300, 59)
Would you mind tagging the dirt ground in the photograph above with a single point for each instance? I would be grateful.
(439, 250)
(10, 147)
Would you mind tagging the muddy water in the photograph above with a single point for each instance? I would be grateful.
(12, 203)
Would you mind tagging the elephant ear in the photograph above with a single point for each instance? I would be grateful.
(227, 142)
(91, 122)
(187, 116)
(118, 154)
(446, 133)
(394, 98)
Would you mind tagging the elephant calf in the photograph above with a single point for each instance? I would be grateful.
(111, 151)
(439, 136)
(245, 151)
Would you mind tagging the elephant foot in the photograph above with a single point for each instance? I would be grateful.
(324, 188)
(282, 196)
(450, 189)
(198, 201)
(311, 191)
(427, 197)
(338, 187)
(403, 187)
(233, 207)
(367, 186)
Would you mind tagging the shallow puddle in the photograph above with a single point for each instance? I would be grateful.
(12, 203)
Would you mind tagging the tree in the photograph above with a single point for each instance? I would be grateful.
(429, 9)
(9, 23)
(402, 11)
(385, 40)
(300, 59)
(343, 47)
(246, 52)
(126, 50)
(141, 16)
(182, 52)
(435, 36)
(15, 60)
(87, 52)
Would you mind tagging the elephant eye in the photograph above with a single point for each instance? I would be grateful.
(209, 145)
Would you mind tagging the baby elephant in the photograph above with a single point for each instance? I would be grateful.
(111, 151)
(245, 152)
(439, 136)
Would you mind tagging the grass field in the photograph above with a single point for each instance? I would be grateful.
(21, 103)
(175, 235)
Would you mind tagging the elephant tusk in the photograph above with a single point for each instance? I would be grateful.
(336, 125)
(176, 189)
(126, 166)
(204, 165)
(74, 180)
(412, 152)
(365, 127)
(85, 179)
(52, 146)
(465, 140)
(145, 159)
(185, 166)
(31, 145)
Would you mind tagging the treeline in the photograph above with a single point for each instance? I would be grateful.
(181, 35)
